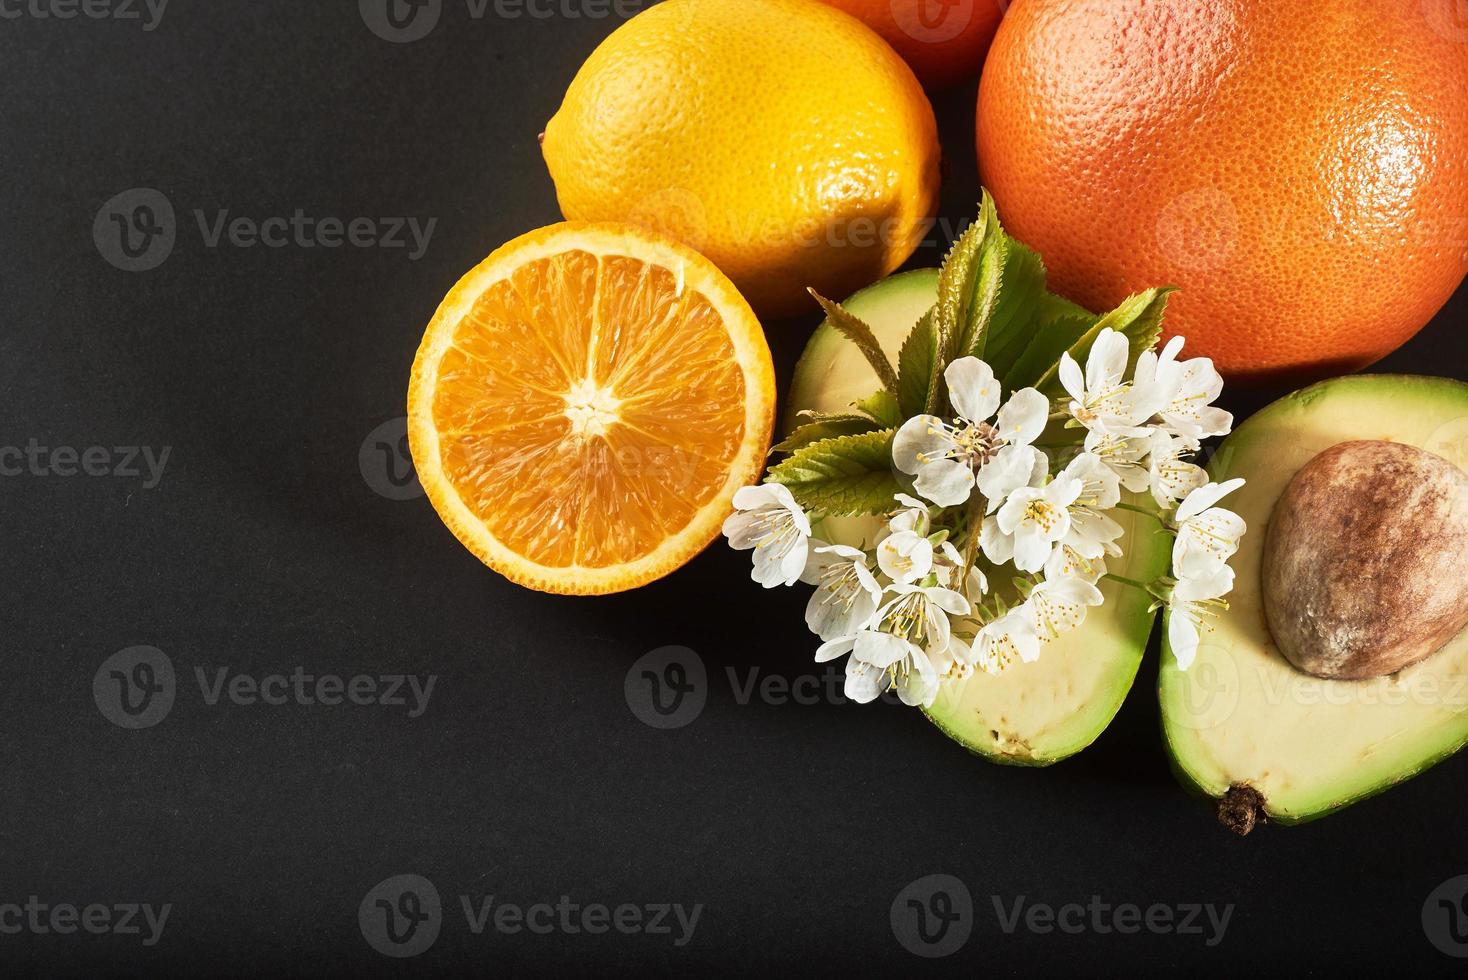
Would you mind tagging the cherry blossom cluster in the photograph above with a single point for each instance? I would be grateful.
(1017, 494)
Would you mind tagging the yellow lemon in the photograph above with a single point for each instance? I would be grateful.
(783, 139)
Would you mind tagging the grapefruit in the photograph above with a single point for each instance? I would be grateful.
(1299, 169)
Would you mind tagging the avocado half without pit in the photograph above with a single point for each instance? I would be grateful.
(1341, 666)
(1031, 714)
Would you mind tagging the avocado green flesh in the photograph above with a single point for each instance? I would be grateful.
(1033, 714)
(1242, 714)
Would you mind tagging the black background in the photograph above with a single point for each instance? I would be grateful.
(528, 777)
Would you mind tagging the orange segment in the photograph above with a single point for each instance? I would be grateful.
(584, 405)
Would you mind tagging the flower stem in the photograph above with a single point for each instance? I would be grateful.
(977, 506)
(1128, 581)
(1140, 510)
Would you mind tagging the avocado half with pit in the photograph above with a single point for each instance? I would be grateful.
(1032, 714)
(1243, 723)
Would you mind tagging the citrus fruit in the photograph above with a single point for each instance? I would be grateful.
(783, 139)
(943, 40)
(584, 405)
(1299, 169)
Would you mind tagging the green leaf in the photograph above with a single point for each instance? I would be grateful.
(1138, 318)
(1058, 325)
(826, 428)
(1011, 326)
(854, 329)
(917, 369)
(883, 408)
(968, 285)
(843, 477)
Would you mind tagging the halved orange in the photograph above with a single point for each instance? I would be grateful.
(584, 405)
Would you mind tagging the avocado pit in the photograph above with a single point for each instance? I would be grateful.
(1366, 560)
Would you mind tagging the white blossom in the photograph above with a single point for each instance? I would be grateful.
(1029, 525)
(1207, 536)
(1126, 456)
(1009, 638)
(1188, 389)
(1058, 605)
(1092, 532)
(1194, 599)
(1170, 476)
(948, 459)
(767, 519)
(846, 595)
(1102, 399)
(909, 637)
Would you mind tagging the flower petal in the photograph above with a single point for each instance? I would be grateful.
(837, 647)
(1206, 496)
(1182, 636)
(864, 683)
(997, 546)
(1023, 417)
(1071, 378)
(921, 439)
(1031, 549)
(1011, 468)
(1107, 361)
(880, 649)
(972, 389)
(945, 482)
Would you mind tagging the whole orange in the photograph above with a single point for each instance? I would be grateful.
(943, 40)
(1299, 169)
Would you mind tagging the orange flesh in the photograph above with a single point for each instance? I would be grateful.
(588, 407)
